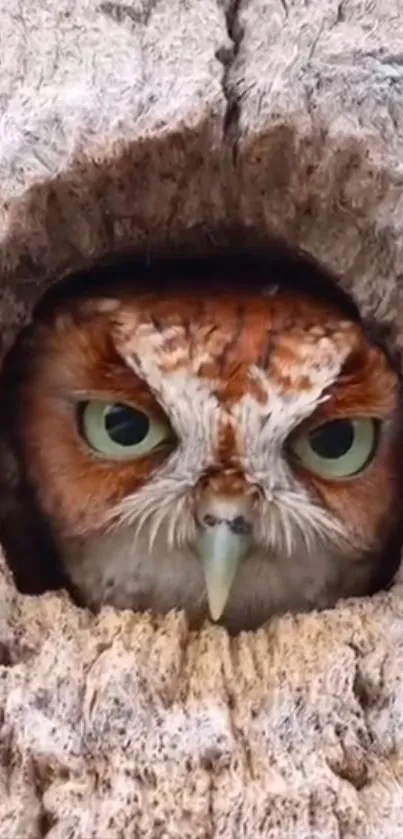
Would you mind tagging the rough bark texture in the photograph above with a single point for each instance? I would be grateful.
(124, 124)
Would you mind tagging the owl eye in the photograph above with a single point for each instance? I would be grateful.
(338, 449)
(121, 431)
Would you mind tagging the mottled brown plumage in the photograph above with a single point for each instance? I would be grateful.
(248, 462)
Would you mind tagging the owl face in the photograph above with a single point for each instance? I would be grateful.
(233, 456)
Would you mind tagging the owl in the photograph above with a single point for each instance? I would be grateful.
(219, 435)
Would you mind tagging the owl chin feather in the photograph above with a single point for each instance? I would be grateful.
(119, 569)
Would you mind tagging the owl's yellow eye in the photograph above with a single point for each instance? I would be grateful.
(120, 431)
(339, 449)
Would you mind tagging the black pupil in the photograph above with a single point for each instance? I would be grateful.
(333, 440)
(125, 425)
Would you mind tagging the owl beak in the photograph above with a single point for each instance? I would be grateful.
(220, 550)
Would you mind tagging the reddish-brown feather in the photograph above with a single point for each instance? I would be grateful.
(75, 357)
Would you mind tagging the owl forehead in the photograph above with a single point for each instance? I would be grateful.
(232, 332)
(271, 357)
